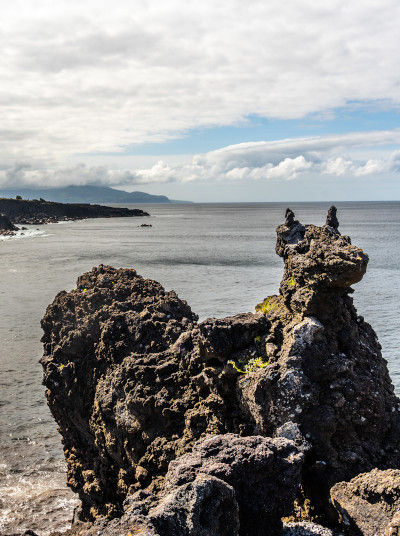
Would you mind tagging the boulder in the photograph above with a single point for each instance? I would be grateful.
(6, 226)
(226, 485)
(370, 503)
(263, 472)
(305, 528)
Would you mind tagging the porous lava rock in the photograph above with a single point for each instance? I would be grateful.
(227, 485)
(370, 503)
(326, 372)
(263, 472)
(134, 380)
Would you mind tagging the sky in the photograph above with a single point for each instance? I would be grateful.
(205, 101)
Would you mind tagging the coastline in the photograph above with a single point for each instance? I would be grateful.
(39, 212)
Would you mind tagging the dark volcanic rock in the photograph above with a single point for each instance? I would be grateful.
(326, 370)
(331, 219)
(40, 212)
(6, 226)
(264, 473)
(226, 486)
(134, 381)
(370, 503)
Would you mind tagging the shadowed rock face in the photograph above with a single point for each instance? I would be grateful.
(226, 485)
(263, 472)
(134, 381)
(6, 226)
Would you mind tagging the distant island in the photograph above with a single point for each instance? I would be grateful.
(39, 211)
(87, 194)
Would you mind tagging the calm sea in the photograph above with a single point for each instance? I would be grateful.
(218, 257)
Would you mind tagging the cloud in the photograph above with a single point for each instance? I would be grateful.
(281, 160)
(79, 77)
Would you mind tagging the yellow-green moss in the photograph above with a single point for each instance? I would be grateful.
(266, 306)
(253, 364)
(291, 282)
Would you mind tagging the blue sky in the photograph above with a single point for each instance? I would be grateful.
(210, 101)
(355, 117)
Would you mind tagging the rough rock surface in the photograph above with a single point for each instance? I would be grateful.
(6, 226)
(370, 503)
(326, 370)
(226, 485)
(304, 528)
(134, 381)
(263, 472)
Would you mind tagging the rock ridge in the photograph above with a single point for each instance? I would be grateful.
(36, 212)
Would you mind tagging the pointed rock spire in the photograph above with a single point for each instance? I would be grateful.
(331, 218)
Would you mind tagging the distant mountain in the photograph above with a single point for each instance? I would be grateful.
(86, 194)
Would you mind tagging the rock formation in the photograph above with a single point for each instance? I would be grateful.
(326, 370)
(226, 485)
(134, 382)
(370, 503)
(6, 226)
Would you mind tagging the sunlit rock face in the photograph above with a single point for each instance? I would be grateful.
(134, 381)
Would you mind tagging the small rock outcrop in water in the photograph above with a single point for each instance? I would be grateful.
(134, 382)
(6, 226)
(370, 502)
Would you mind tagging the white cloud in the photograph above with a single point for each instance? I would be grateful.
(91, 76)
(260, 161)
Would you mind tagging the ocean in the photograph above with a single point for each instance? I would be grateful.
(220, 258)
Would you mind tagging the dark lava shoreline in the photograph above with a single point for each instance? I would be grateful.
(174, 427)
(37, 212)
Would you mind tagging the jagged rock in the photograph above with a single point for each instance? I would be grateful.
(226, 485)
(263, 472)
(326, 370)
(134, 381)
(6, 226)
(304, 528)
(331, 219)
(206, 506)
(370, 503)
